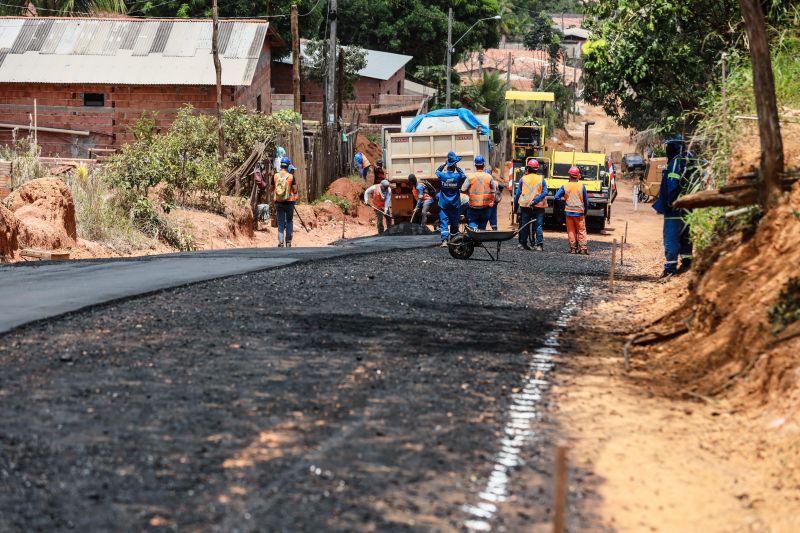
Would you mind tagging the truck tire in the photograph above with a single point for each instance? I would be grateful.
(595, 224)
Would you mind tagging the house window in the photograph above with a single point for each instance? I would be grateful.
(94, 99)
(258, 103)
(399, 84)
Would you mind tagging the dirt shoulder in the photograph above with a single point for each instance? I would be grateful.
(651, 453)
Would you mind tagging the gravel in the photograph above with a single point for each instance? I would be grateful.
(361, 393)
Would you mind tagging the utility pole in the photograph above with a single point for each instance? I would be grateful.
(769, 128)
(296, 60)
(218, 69)
(505, 112)
(330, 78)
(340, 85)
(449, 51)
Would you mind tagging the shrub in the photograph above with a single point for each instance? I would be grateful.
(338, 201)
(787, 309)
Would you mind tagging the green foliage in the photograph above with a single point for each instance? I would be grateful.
(315, 66)
(650, 62)
(151, 222)
(338, 201)
(786, 310)
(543, 36)
(488, 93)
(50, 8)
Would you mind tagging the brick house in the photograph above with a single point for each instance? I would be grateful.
(91, 79)
(384, 74)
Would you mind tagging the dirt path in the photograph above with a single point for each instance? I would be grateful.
(646, 457)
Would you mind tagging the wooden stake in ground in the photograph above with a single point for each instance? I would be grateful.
(344, 215)
(218, 70)
(769, 128)
(296, 60)
(613, 265)
(622, 245)
(560, 492)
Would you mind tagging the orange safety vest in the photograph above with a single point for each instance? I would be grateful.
(425, 194)
(289, 183)
(530, 190)
(573, 196)
(378, 200)
(480, 190)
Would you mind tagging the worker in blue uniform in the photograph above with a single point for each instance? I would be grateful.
(451, 179)
(674, 183)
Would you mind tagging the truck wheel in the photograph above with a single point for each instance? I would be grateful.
(460, 246)
(595, 224)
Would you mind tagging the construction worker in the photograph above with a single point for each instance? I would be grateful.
(284, 196)
(362, 165)
(481, 189)
(379, 196)
(674, 183)
(379, 172)
(422, 198)
(576, 203)
(450, 181)
(531, 197)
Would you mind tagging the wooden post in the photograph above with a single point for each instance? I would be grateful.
(344, 216)
(769, 128)
(560, 495)
(340, 85)
(218, 70)
(624, 242)
(296, 60)
(613, 266)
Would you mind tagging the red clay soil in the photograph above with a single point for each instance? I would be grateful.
(353, 192)
(369, 148)
(9, 234)
(46, 212)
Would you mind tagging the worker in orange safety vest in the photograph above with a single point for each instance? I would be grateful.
(576, 201)
(481, 189)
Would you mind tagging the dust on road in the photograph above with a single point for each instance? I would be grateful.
(366, 393)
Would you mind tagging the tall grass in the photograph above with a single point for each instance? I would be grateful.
(719, 130)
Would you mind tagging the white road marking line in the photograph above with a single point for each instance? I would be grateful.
(523, 410)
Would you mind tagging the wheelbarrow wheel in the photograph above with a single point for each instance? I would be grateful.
(460, 246)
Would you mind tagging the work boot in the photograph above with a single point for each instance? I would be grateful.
(539, 248)
(573, 250)
(666, 274)
(584, 251)
(280, 245)
(443, 245)
(288, 244)
(523, 247)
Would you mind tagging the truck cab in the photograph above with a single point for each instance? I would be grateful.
(593, 176)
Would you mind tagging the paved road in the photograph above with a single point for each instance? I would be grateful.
(398, 391)
(34, 291)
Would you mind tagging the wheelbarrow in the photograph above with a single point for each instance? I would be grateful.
(462, 245)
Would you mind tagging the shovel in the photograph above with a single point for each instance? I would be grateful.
(296, 212)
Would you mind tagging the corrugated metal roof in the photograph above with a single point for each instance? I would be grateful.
(380, 65)
(127, 51)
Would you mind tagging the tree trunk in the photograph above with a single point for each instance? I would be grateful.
(764, 85)
(296, 60)
(218, 70)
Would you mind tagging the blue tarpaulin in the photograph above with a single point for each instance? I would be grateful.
(467, 116)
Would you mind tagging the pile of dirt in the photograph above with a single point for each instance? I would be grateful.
(370, 149)
(240, 217)
(9, 234)
(731, 343)
(46, 214)
(558, 139)
(353, 192)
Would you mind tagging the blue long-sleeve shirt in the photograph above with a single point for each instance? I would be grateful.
(671, 188)
(560, 194)
(537, 199)
(421, 195)
(450, 187)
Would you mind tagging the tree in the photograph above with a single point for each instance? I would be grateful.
(649, 62)
(314, 69)
(489, 93)
(66, 7)
(543, 36)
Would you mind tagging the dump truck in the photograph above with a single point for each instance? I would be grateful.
(597, 185)
(421, 154)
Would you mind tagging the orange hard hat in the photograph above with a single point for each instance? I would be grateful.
(575, 171)
(532, 163)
